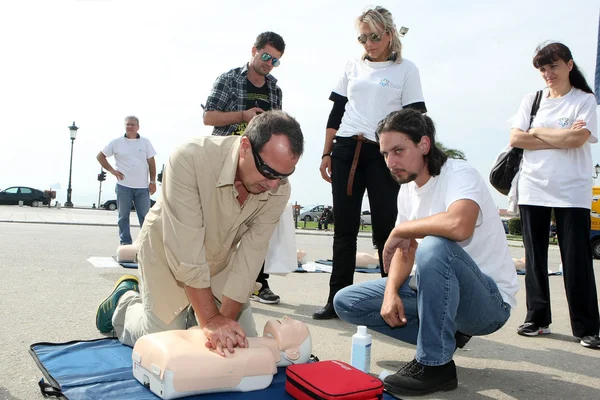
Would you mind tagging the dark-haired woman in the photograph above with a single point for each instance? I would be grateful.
(380, 82)
(555, 174)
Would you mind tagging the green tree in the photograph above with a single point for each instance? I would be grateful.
(451, 153)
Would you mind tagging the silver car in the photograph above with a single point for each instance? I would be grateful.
(365, 218)
(311, 213)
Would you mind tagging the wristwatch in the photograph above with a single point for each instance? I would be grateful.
(153, 182)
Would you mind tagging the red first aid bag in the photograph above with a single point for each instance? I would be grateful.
(331, 380)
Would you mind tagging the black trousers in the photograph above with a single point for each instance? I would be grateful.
(262, 277)
(373, 176)
(573, 231)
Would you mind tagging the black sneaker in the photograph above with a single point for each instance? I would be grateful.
(531, 329)
(592, 342)
(461, 340)
(265, 295)
(416, 379)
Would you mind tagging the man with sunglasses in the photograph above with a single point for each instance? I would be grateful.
(206, 238)
(238, 96)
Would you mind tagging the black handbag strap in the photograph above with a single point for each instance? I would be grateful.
(536, 105)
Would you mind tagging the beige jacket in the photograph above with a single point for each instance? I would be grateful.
(197, 233)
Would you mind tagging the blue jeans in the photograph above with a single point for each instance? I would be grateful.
(125, 197)
(452, 295)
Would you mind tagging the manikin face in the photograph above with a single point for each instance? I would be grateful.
(276, 155)
(556, 74)
(404, 158)
(377, 51)
(264, 67)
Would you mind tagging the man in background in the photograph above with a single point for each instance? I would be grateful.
(134, 159)
(238, 96)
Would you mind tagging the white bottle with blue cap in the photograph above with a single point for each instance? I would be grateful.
(360, 357)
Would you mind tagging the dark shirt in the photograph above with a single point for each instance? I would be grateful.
(229, 93)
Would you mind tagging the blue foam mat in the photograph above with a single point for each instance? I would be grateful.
(102, 369)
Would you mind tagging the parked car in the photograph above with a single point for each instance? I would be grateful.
(505, 224)
(311, 213)
(29, 196)
(112, 205)
(365, 218)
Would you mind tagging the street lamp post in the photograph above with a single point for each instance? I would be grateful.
(73, 133)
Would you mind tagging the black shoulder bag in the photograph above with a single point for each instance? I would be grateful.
(508, 162)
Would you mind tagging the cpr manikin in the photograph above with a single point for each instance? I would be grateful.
(176, 363)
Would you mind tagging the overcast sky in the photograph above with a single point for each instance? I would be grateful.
(95, 61)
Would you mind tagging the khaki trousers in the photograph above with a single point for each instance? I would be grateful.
(133, 320)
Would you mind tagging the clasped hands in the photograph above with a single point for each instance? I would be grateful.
(224, 333)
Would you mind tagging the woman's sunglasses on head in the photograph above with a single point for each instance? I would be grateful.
(266, 57)
(264, 169)
(373, 37)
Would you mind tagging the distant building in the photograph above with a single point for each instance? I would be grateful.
(505, 214)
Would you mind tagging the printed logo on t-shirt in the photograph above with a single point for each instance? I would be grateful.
(384, 82)
(563, 122)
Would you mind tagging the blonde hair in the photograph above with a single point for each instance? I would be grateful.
(378, 19)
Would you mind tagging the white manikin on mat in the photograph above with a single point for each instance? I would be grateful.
(176, 363)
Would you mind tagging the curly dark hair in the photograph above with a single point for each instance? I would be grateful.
(271, 38)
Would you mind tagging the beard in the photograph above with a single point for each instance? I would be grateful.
(259, 70)
(411, 176)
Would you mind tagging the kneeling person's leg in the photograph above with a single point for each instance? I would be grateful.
(360, 304)
(452, 295)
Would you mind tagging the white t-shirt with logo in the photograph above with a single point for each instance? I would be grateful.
(131, 158)
(558, 177)
(488, 246)
(375, 89)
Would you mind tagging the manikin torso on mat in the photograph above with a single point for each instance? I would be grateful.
(177, 363)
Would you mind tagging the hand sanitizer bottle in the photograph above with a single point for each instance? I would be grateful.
(361, 350)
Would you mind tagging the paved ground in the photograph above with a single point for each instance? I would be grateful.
(50, 293)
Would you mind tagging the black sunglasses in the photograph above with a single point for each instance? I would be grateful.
(264, 169)
(373, 37)
(267, 57)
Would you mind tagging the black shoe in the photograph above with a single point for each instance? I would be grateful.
(592, 342)
(416, 379)
(461, 340)
(327, 312)
(265, 295)
(531, 329)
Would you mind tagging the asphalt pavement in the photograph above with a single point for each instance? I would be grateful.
(50, 293)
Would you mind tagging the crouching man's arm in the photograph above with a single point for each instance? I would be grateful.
(392, 309)
(457, 223)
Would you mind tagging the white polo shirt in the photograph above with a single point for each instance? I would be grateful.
(375, 89)
(131, 158)
(558, 177)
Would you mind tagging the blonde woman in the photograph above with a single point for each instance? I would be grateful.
(379, 82)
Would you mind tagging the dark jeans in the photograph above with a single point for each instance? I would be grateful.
(573, 231)
(373, 176)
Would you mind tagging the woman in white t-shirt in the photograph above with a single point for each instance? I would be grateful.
(371, 87)
(556, 174)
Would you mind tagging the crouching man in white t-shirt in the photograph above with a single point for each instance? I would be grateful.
(465, 280)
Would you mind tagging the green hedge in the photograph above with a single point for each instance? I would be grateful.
(514, 226)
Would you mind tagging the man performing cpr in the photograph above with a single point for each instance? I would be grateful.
(205, 240)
